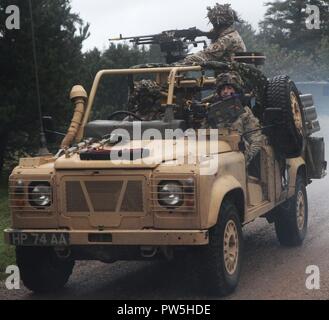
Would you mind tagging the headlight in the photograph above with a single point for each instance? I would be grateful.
(170, 194)
(40, 195)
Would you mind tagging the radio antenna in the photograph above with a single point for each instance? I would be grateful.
(43, 142)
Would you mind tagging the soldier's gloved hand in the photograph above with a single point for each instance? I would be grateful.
(198, 110)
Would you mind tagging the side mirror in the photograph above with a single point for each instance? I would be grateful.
(48, 125)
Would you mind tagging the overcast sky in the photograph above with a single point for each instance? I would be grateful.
(139, 17)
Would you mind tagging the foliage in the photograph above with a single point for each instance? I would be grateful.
(278, 60)
(285, 25)
(7, 256)
(59, 37)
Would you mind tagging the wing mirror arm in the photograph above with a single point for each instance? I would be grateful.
(55, 133)
(48, 125)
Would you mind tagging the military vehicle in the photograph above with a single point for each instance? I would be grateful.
(111, 194)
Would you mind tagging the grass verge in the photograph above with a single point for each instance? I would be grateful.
(7, 254)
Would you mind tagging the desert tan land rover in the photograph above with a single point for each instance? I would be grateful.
(131, 189)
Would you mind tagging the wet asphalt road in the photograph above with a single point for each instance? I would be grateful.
(269, 271)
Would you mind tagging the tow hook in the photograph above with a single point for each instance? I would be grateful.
(149, 252)
(63, 253)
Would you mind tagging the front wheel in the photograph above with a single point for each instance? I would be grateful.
(41, 270)
(220, 262)
(292, 217)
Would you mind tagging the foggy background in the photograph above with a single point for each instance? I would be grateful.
(133, 18)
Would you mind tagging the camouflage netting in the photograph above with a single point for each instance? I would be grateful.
(145, 97)
(222, 15)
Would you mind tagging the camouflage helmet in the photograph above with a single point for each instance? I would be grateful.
(232, 79)
(146, 93)
(222, 15)
(148, 87)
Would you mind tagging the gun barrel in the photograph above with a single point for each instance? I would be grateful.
(131, 38)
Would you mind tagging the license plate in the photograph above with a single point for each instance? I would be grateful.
(39, 239)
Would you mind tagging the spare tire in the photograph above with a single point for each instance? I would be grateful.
(284, 110)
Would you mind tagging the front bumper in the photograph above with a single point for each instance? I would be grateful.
(120, 237)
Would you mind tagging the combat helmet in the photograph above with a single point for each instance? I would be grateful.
(146, 94)
(232, 79)
(222, 15)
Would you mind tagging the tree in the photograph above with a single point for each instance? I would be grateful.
(59, 37)
(285, 24)
(322, 57)
(292, 48)
(278, 60)
(248, 34)
(112, 93)
(296, 64)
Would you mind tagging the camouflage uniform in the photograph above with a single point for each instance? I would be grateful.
(229, 40)
(145, 100)
(245, 122)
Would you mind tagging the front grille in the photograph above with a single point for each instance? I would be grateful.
(108, 196)
(20, 195)
(133, 200)
(104, 195)
(75, 200)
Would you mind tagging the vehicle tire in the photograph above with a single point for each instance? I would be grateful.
(220, 262)
(288, 137)
(291, 218)
(41, 270)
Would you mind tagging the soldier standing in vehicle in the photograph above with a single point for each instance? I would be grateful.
(236, 116)
(227, 40)
(145, 100)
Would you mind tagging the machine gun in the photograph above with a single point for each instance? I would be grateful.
(174, 43)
